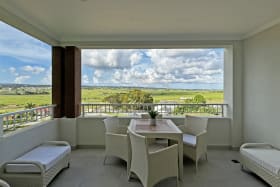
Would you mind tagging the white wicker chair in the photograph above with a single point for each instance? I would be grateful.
(3, 184)
(195, 137)
(152, 165)
(116, 140)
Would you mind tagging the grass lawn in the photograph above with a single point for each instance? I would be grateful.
(9, 103)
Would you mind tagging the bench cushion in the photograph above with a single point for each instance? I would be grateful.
(47, 155)
(268, 158)
(189, 139)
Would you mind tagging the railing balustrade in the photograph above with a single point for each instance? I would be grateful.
(163, 108)
(13, 120)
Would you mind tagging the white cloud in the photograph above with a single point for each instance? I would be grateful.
(160, 66)
(113, 58)
(85, 79)
(187, 65)
(17, 44)
(47, 79)
(33, 69)
(21, 79)
(13, 71)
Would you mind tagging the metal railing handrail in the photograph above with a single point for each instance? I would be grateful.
(12, 120)
(27, 110)
(131, 107)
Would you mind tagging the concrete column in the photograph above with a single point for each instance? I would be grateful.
(72, 84)
(233, 90)
(1, 126)
(58, 81)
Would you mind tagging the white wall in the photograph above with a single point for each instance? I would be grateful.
(233, 89)
(16, 143)
(68, 130)
(91, 131)
(261, 87)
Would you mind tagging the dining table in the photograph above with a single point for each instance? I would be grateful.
(164, 128)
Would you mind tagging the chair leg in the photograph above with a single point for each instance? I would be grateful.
(104, 160)
(177, 181)
(196, 163)
(129, 175)
(206, 157)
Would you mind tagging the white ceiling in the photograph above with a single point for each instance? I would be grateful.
(70, 21)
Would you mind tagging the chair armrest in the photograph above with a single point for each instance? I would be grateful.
(18, 162)
(116, 139)
(116, 135)
(4, 184)
(201, 138)
(164, 154)
(57, 143)
(203, 133)
(251, 145)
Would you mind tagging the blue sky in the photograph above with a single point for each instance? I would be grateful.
(26, 60)
(23, 59)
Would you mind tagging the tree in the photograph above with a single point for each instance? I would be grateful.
(199, 99)
(139, 96)
(132, 97)
(29, 105)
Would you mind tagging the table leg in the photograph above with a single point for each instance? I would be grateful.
(181, 161)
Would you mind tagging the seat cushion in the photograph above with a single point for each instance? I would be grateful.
(47, 155)
(189, 139)
(268, 158)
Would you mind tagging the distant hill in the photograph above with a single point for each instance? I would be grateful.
(12, 85)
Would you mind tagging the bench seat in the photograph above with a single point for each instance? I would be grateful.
(38, 166)
(263, 160)
(47, 155)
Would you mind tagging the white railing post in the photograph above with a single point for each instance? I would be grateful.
(52, 111)
(83, 110)
(1, 126)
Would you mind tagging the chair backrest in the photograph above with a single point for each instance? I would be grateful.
(139, 154)
(112, 125)
(147, 116)
(195, 125)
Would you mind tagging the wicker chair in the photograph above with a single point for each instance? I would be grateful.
(152, 165)
(116, 140)
(195, 137)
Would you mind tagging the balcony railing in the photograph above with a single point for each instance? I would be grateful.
(14, 120)
(165, 109)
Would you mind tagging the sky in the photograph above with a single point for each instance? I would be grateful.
(26, 60)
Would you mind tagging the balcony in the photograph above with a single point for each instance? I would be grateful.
(251, 72)
(86, 135)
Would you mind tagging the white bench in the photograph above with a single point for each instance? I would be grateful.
(38, 166)
(262, 159)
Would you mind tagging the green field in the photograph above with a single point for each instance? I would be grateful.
(12, 102)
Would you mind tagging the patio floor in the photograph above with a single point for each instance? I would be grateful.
(87, 170)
